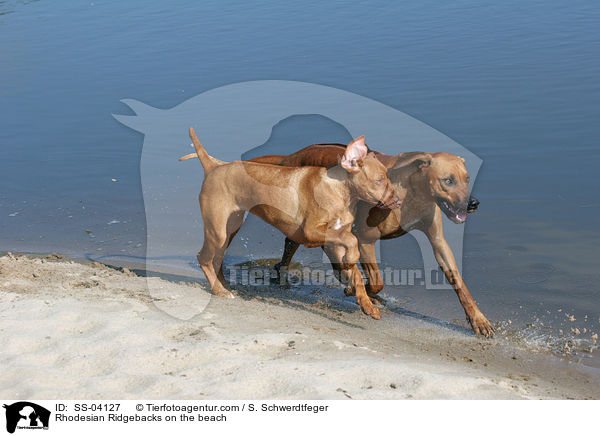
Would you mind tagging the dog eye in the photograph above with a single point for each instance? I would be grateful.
(448, 181)
(380, 179)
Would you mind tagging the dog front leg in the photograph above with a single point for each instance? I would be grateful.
(344, 258)
(447, 262)
(364, 301)
(368, 261)
(338, 269)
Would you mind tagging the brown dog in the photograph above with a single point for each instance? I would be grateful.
(313, 206)
(427, 183)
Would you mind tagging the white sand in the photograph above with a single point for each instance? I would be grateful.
(74, 331)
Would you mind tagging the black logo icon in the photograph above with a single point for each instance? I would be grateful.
(26, 415)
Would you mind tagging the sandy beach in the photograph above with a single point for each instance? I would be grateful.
(88, 331)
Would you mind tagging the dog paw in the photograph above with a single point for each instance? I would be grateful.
(480, 325)
(280, 280)
(223, 293)
(368, 308)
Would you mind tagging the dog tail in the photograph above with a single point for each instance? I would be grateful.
(188, 156)
(208, 162)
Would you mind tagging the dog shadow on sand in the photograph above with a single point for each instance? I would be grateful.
(328, 302)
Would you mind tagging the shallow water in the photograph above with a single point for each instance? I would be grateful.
(515, 83)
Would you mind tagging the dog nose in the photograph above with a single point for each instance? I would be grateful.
(390, 199)
(473, 204)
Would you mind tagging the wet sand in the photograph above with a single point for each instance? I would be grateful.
(74, 330)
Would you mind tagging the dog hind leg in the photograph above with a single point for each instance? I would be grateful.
(234, 223)
(218, 227)
(289, 250)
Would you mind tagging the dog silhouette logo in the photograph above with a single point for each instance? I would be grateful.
(246, 120)
(26, 415)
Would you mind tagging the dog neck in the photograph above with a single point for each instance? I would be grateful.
(408, 180)
(339, 180)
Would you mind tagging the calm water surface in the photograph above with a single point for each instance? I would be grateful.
(516, 83)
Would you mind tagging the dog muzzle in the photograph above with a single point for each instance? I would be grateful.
(472, 205)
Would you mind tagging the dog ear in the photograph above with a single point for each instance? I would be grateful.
(416, 158)
(355, 153)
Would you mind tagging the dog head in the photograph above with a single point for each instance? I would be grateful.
(449, 186)
(368, 176)
(445, 180)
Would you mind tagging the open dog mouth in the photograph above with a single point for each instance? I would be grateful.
(458, 216)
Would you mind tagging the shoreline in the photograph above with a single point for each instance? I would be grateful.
(86, 330)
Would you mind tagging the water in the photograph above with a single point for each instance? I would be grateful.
(516, 83)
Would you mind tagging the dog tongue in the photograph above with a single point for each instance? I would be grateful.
(462, 217)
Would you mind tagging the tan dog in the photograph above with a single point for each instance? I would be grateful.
(313, 206)
(428, 184)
